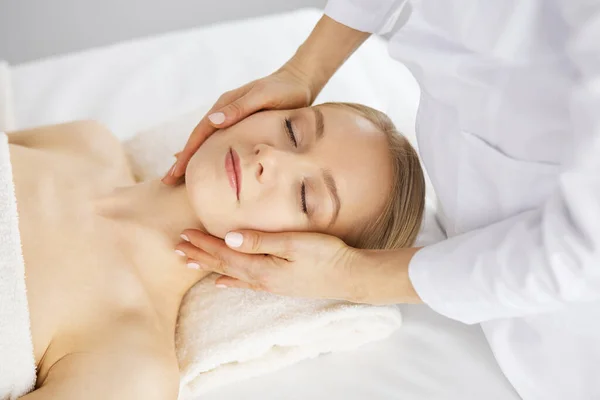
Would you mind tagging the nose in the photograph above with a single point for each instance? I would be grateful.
(271, 163)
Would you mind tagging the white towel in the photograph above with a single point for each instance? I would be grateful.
(17, 362)
(225, 335)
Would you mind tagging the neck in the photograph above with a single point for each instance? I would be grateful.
(150, 217)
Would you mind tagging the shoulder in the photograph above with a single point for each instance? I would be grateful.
(89, 138)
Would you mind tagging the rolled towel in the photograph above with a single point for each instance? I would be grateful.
(225, 335)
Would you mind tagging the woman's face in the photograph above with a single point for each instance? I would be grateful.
(322, 169)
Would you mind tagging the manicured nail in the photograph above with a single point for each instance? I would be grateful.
(181, 253)
(220, 286)
(217, 118)
(184, 237)
(234, 239)
(193, 265)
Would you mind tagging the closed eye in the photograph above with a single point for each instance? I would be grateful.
(303, 198)
(290, 131)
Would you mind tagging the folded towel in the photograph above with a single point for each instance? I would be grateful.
(225, 335)
(17, 363)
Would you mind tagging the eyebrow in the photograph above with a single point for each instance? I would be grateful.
(319, 124)
(333, 193)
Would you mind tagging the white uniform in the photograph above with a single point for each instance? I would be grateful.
(509, 131)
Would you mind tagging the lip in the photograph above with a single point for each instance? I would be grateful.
(234, 172)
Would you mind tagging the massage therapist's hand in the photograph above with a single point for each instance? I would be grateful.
(284, 89)
(309, 265)
(294, 85)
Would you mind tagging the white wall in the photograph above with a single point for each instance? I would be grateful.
(31, 29)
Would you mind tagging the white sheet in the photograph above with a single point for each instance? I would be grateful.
(134, 85)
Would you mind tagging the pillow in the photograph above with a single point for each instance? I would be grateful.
(151, 151)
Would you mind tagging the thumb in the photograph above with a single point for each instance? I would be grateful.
(253, 242)
(237, 110)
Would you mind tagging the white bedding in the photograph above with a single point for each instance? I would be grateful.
(134, 85)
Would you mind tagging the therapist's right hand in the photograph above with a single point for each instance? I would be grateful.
(286, 88)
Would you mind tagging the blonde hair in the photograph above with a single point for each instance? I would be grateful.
(400, 219)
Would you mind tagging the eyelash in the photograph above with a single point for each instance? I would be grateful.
(303, 198)
(290, 130)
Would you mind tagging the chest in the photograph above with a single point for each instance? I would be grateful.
(78, 278)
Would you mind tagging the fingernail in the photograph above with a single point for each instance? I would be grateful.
(181, 253)
(234, 239)
(193, 265)
(220, 286)
(184, 237)
(217, 118)
(172, 170)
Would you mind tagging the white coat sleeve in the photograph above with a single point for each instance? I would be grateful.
(546, 258)
(374, 16)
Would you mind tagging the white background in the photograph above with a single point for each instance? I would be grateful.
(32, 29)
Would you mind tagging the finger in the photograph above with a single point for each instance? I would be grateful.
(228, 282)
(231, 108)
(215, 256)
(202, 258)
(238, 109)
(282, 245)
(169, 178)
(202, 131)
(198, 136)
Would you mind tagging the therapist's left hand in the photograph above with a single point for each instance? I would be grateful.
(302, 264)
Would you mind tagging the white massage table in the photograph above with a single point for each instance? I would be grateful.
(134, 85)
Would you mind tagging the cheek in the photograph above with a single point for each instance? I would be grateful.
(208, 191)
(198, 177)
(210, 194)
(273, 214)
(203, 160)
(269, 212)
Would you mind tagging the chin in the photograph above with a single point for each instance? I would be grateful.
(212, 215)
(210, 196)
(216, 230)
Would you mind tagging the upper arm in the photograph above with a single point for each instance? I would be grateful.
(124, 376)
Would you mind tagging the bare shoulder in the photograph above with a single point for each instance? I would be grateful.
(120, 369)
(79, 137)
